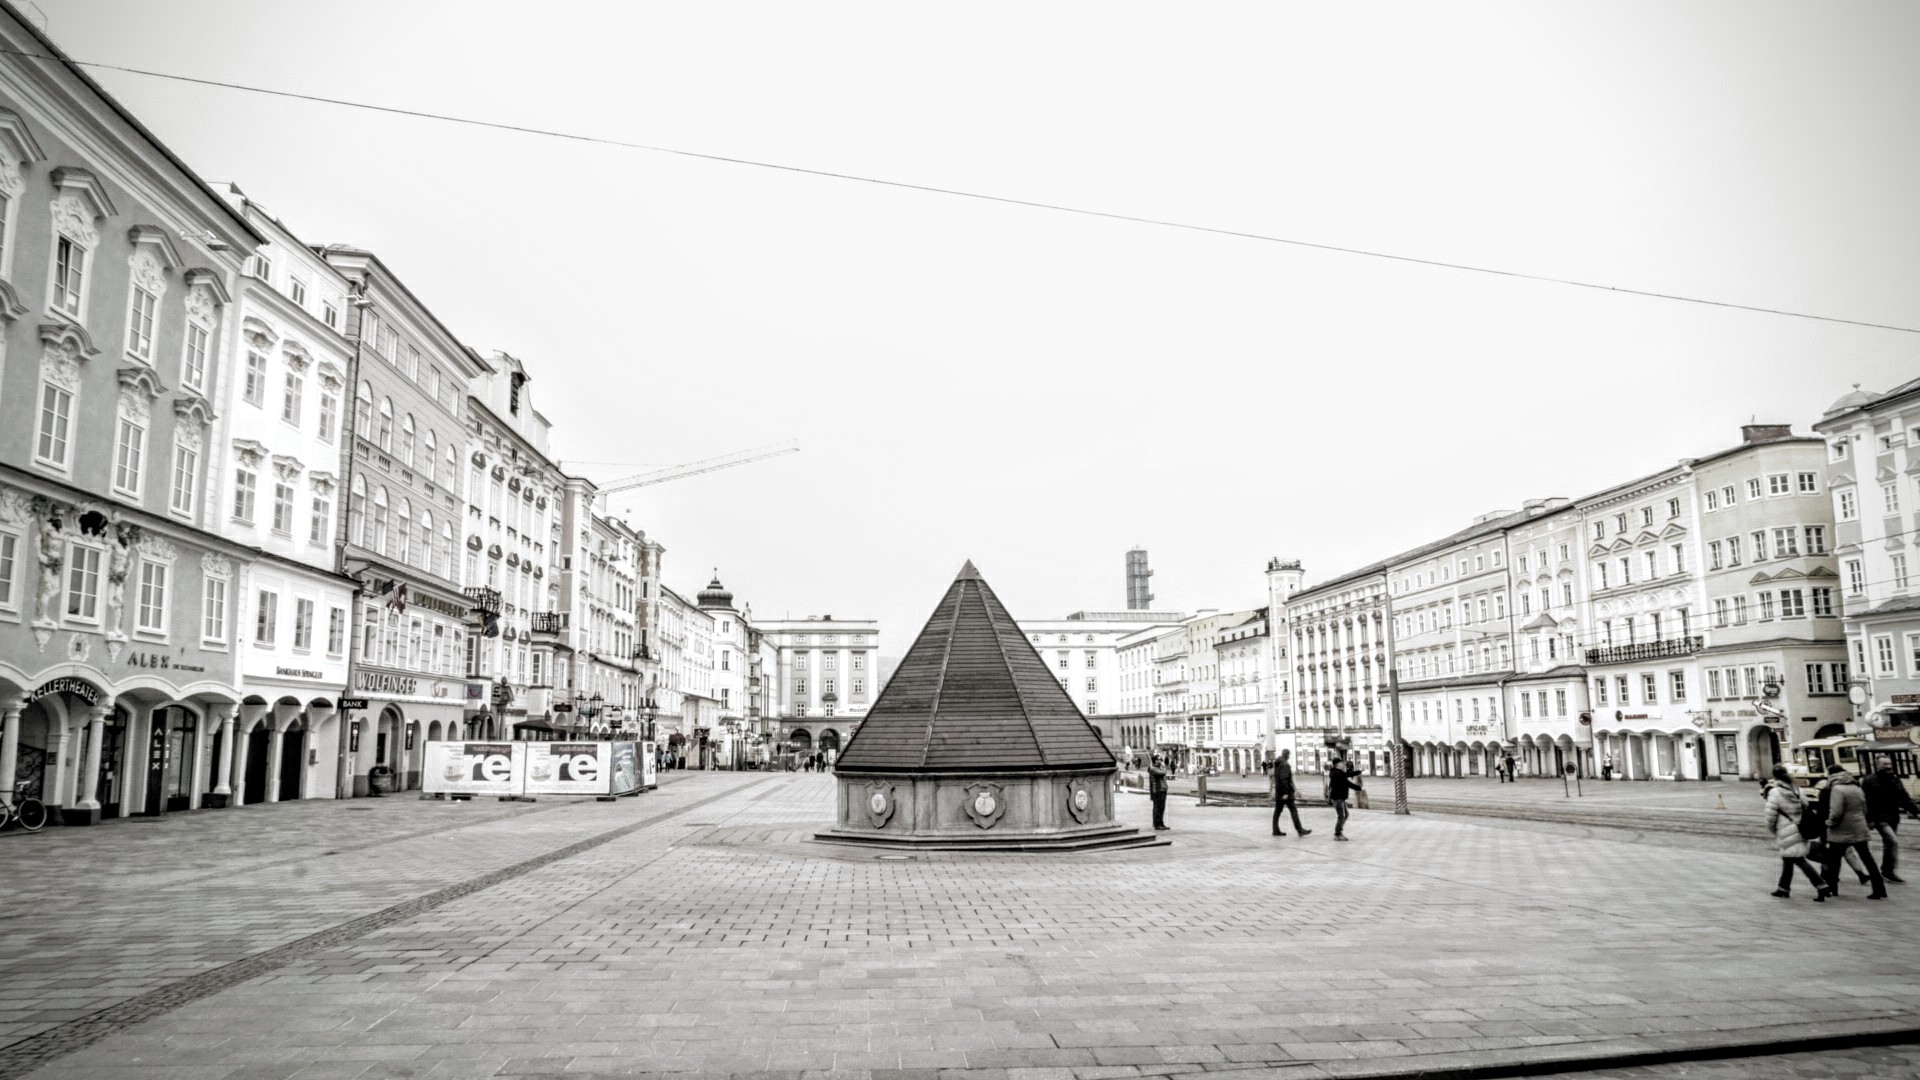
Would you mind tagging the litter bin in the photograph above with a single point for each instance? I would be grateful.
(380, 780)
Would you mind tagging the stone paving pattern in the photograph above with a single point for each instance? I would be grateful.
(718, 939)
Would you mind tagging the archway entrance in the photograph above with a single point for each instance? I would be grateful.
(293, 760)
(830, 741)
(170, 759)
(1763, 747)
(801, 740)
(259, 747)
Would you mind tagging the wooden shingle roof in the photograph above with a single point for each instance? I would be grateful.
(972, 694)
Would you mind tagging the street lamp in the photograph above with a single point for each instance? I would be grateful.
(649, 709)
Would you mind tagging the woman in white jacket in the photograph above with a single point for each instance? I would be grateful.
(1784, 804)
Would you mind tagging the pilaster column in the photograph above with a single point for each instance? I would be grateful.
(224, 767)
(276, 740)
(10, 709)
(59, 788)
(90, 770)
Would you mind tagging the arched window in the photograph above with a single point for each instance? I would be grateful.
(378, 541)
(452, 466)
(385, 439)
(424, 549)
(432, 460)
(363, 410)
(357, 509)
(403, 536)
(443, 558)
(406, 440)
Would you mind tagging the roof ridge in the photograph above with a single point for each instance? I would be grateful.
(1019, 693)
(946, 655)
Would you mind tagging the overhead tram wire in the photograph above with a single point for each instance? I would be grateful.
(1005, 200)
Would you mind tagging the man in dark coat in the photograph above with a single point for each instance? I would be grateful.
(1887, 799)
(1157, 790)
(1284, 793)
(1342, 781)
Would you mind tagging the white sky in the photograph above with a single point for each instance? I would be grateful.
(1040, 391)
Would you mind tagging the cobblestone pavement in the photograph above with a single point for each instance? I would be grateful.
(1867, 1063)
(1701, 798)
(706, 933)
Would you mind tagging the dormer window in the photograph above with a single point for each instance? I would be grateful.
(513, 391)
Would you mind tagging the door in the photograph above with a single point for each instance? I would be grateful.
(156, 787)
(259, 744)
(293, 760)
(183, 743)
(112, 780)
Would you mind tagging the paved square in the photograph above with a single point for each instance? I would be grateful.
(696, 929)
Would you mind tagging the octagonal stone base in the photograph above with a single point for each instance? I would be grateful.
(1066, 810)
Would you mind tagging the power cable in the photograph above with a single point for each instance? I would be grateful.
(1006, 200)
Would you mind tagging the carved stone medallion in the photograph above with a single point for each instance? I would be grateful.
(879, 804)
(1079, 801)
(985, 804)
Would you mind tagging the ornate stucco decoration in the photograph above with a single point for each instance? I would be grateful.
(216, 565)
(12, 308)
(71, 217)
(986, 804)
(15, 506)
(259, 333)
(295, 353)
(191, 416)
(146, 272)
(286, 466)
(62, 347)
(18, 149)
(152, 546)
(139, 389)
(330, 376)
(323, 482)
(251, 451)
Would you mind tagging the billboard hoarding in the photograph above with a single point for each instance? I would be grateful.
(649, 775)
(568, 768)
(464, 768)
(626, 769)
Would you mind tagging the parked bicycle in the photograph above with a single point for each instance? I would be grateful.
(29, 814)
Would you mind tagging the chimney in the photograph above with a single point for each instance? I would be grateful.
(1753, 433)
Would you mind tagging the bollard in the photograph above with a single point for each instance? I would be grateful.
(1202, 781)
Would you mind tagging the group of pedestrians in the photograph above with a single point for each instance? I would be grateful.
(1343, 786)
(1832, 823)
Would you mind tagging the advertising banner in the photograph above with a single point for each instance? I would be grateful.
(626, 769)
(464, 768)
(568, 768)
(649, 778)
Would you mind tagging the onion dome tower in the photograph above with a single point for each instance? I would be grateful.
(715, 595)
(975, 745)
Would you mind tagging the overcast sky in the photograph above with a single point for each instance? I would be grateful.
(1039, 391)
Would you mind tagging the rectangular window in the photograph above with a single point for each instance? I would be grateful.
(337, 631)
(1600, 691)
(213, 610)
(1713, 500)
(140, 323)
(297, 291)
(329, 414)
(1677, 684)
(69, 276)
(1883, 666)
(1649, 688)
(1793, 604)
(1753, 488)
(303, 624)
(1559, 702)
(1678, 556)
(266, 617)
(330, 314)
(1816, 539)
(1786, 543)
(1856, 578)
(1822, 602)
(1899, 571)
(319, 526)
(283, 509)
(245, 487)
(1849, 508)
(9, 545)
(186, 465)
(152, 616)
(129, 450)
(799, 686)
(193, 363)
(1093, 685)
(1759, 546)
(1713, 684)
(1720, 612)
(1733, 551)
(290, 404)
(1890, 497)
(1809, 483)
(1766, 606)
(1739, 611)
(1714, 560)
(1726, 496)
(83, 583)
(1779, 484)
(56, 412)
(255, 388)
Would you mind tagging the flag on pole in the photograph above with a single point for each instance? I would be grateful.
(399, 601)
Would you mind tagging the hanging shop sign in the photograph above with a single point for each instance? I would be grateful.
(348, 704)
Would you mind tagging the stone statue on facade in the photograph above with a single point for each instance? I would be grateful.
(119, 561)
(52, 554)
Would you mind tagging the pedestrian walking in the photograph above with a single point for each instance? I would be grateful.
(1342, 781)
(1606, 768)
(1820, 847)
(1887, 799)
(1786, 810)
(1506, 766)
(1847, 830)
(1157, 791)
(1285, 794)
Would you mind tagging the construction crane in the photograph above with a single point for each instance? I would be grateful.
(695, 468)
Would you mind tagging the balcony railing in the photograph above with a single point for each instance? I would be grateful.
(1646, 650)
(484, 600)
(550, 622)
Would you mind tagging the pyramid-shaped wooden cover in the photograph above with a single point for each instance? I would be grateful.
(972, 694)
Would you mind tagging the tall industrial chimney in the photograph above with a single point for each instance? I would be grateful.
(1138, 598)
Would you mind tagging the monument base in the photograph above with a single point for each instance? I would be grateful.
(1118, 836)
(983, 810)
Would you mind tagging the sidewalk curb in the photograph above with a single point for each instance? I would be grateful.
(1630, 1052)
